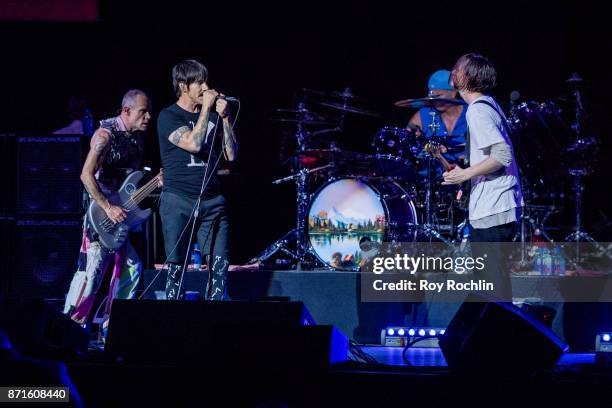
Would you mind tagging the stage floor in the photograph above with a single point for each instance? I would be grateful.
(421, 356)
(432, 357)
(388, 382)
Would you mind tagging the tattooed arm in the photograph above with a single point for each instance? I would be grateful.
(230, 145)
(192, 139)
(97, 151)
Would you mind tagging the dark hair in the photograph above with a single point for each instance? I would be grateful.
(188, 72)
(478, 74)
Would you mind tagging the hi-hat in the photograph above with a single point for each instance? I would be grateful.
(428, 102)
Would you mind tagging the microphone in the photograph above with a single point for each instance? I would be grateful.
(227, 98)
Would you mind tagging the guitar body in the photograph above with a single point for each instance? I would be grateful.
(462, 191)
(113, 236)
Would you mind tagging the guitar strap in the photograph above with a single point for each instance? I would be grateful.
(466, 159)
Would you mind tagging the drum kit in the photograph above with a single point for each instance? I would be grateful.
(348, 201)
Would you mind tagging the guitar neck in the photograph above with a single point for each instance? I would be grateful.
(434, 150)
(144, 191)
(447, 166)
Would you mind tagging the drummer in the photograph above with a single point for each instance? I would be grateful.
(451, 118)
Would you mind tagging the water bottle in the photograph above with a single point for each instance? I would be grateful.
(559, 257)
(554, 261)
(561, 262)
(537, 260)
(88, 123)
(547, 262)
(196, 257)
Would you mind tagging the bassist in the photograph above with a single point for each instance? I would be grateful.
(116, 150)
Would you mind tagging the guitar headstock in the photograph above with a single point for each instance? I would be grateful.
(433, 148)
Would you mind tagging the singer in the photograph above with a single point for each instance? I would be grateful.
(191, 147)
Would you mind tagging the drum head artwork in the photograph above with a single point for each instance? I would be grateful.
(343, 213)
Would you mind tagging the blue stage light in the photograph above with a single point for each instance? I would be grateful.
(421, 332)
(432, 332)
(411, 332)
(606, 337)
(390, 332)
(401, 332)
(442, 331)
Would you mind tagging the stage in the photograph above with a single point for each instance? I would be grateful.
(428, 382)
(335, 298)
(297, 143)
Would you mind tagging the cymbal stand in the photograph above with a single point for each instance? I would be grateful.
(532, 220)
(578, 173)
(303, 253)
(345, 99)
(428, 228)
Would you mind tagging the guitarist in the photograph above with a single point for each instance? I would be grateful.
(495, 197)
(116, 150)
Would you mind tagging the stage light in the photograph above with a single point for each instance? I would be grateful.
(394, 336)
(442, 332)
(603, 342)
(603, 348)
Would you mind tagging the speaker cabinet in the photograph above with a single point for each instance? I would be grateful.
(487, 336)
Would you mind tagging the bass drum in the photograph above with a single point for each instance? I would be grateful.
(348, 211)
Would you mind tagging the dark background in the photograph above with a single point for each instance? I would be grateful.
(264, 53)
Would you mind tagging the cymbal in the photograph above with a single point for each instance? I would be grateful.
(303, 116)
(347, 108)
(302, 111)
(427, 102)
(305, 121)
(584, 144)
(575, 78)
(345, 94)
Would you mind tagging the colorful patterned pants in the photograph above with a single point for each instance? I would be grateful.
(94, 260)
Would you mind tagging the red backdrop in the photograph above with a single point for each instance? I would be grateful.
(49, 10)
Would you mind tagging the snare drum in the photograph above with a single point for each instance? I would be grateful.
(350, 210)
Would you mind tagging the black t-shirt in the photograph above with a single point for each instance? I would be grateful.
(184, 171)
